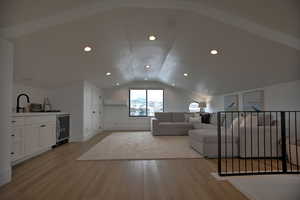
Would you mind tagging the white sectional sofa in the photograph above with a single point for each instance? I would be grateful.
(170, 123)
(265, 139)
(205, 141)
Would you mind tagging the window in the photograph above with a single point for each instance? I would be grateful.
(194, 107)
(138, 103)
(145, 102)
(155, 102)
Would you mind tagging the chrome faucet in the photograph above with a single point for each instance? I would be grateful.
(18, 101)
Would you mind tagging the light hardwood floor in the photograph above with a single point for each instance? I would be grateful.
(58, 175)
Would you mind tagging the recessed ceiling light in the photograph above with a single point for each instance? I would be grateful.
(117, 84)
(108, 73)
(214, 52)
(186, 74)
(152, 37)
(148, 66)
(87, 49)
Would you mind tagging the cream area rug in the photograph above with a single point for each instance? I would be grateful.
(268, 187)
(140, 146)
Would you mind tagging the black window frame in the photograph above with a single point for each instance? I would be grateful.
(129, 98)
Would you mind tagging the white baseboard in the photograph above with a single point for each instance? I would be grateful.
(78, 139)
(87, 137)
(5, 176)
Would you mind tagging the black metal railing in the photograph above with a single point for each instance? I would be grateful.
(255, 143)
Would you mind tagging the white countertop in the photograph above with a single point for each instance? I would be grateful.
(38, 114)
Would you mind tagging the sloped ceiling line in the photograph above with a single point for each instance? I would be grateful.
(169, 49)
(132, 58)
(89, 10)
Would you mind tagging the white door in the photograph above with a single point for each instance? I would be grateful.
(100, 111)
(88, 110)
(98, 107)
(47, 136)
(92, 106)
(31, 139)
(17, 143)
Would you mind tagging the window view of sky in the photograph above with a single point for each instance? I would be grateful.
(138, 103)
(155, 101)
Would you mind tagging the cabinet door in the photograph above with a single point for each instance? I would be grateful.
(31, 139)
(17, 143)
(47, 136)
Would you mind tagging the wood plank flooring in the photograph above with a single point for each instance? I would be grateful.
(253, 165)
(57, 175)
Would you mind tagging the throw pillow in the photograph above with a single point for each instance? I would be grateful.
(187, 116)
(197, 115)
(196, 122)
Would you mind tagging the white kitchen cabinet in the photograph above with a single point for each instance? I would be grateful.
(17, 143)
(31, 139)
(32, 135)
(47, 136)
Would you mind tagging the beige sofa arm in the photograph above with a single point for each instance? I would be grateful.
(154, 126)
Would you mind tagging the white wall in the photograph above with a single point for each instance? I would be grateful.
(70, 99)
(117, 117)
(284, 96)
(36, 94)
(79, 99)
(6, 81)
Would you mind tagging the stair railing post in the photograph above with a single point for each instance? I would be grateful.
(283, 142)
(219, 144)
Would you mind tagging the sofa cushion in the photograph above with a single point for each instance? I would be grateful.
(178, 117)
(196, 122)
(164, 116)
(209, 126)
(210, 136)
(263, 120)
(187, 116)
(175, 124)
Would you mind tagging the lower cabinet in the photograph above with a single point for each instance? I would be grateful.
(47, 136)
(17, 143)
(32, 137)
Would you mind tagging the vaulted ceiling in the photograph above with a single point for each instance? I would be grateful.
(258, 42)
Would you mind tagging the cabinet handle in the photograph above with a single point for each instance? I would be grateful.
(13, 135)
(13, 121)
(43, 126)
(12, 153)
